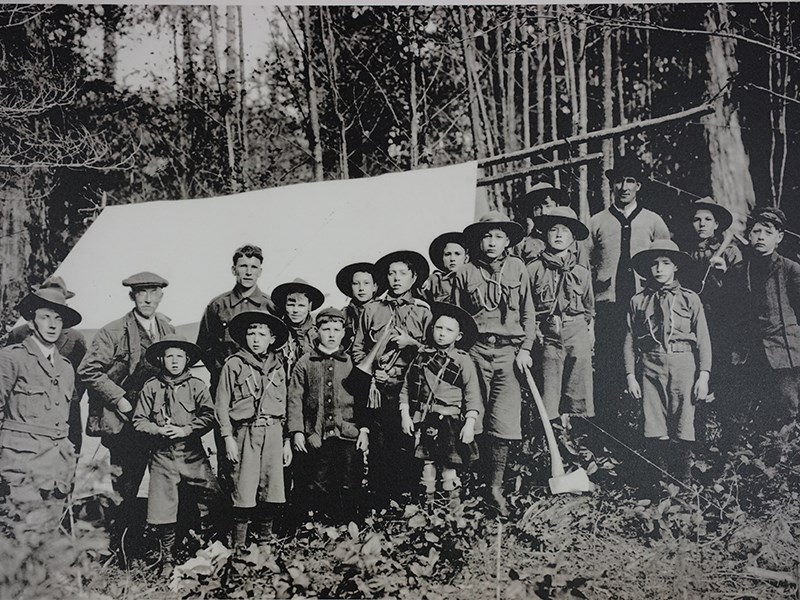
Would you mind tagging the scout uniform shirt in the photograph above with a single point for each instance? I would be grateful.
(213, 338)
(181, 401)
(250, 406)
(318, 404)
(439, 286)
(352, 317)
(35, 398)
(667, 330)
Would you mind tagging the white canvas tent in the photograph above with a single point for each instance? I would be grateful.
(308, 230)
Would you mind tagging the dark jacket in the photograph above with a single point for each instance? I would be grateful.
(115, 368)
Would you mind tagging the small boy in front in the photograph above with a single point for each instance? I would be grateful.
(441, 389)
(357, 281)
(322, 424)
(494, 288)
(564, 301)
(176, 409)
(250, 409)
(448, 252)
(668, 336)
(294, 302)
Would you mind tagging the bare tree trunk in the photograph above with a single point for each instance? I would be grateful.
(468, 53)
(620, 88)
(229, 98)
(540, 73)
(314, 138)
(243, 143)
(412, 94)
(551, 56)
(608, 108)
(583, 123)
(188, 92)
(511, 87)
(526, 98)
(112, 14)
(731, 182)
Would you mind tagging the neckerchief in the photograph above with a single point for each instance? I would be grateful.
(662, 298)
(162, 405)
(625, 281)
(497, 293)
(566, 280)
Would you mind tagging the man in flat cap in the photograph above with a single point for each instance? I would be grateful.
(71, 344)
(37, 459)
(114, 372)
(615, 235)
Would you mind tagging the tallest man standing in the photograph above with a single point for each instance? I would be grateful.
(616, 234)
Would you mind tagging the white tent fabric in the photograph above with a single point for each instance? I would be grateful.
(308, 230)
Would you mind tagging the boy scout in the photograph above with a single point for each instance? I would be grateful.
(37, 460)
(114, 371)
(495, 289)
(357, 281)
(668, 336)
(564, 301)
(295, 301)
(213, 338)
(527, 209)
(251, 407)
(175, 408)
(322, 422)
(392, 328)
(448, 253)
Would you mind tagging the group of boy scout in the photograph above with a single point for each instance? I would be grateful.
(594, 312)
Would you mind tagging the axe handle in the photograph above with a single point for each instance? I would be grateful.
(556, 464)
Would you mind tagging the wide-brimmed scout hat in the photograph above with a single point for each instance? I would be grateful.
(145, 279)
(436, 248)
(537, 196)
(53, 298)
(419, 264)
(280, 293)
(344, 278)
(627, 166)
(469, 329)
(562, 215)
(643, 260)
(722, 215)
(494, 220)
(173, 340)
(241, 322)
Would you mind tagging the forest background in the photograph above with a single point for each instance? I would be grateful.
(113, 104)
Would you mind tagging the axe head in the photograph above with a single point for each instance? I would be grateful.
(575, 482)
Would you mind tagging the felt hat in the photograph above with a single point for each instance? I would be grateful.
(53, 298)
(241, 322)
(469, 329)
(722, 215)
(329, 314)
(145, 279)
(537, 196)
(494, 220)
(280, 293)
(419, 264)
(173, 340)
(768, 214)
(437, 246)
(626, 166)
(642, 261)
(54, 281)
(344, 278)
(565, 216)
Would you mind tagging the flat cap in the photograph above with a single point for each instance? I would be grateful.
(145, 279)
(768, 214)
(330, 314)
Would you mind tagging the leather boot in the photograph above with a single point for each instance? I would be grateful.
(241, 525)
(682, 465)
(167, 543)
(498, 458)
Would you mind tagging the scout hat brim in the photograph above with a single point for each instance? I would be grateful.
(157, 349)
(536, 197)
(579, 230)
(419, 264)
(280, 293)
(437, 246)
(344, 278)
(241, 322)
(469, 329)
(722, 215)
(53, 299)
(642, 261)
(474, 232)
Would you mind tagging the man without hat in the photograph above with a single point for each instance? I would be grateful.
(37, 459)
(616, 234)
(114, 372)
(71, 344)
(765, 307)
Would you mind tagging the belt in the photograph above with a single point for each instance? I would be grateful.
(500, 340)
(673, 348)
(55, 433)
(266, 420)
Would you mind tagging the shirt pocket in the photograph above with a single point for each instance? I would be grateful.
(32, 400)
(682, 316)
(513, 295)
